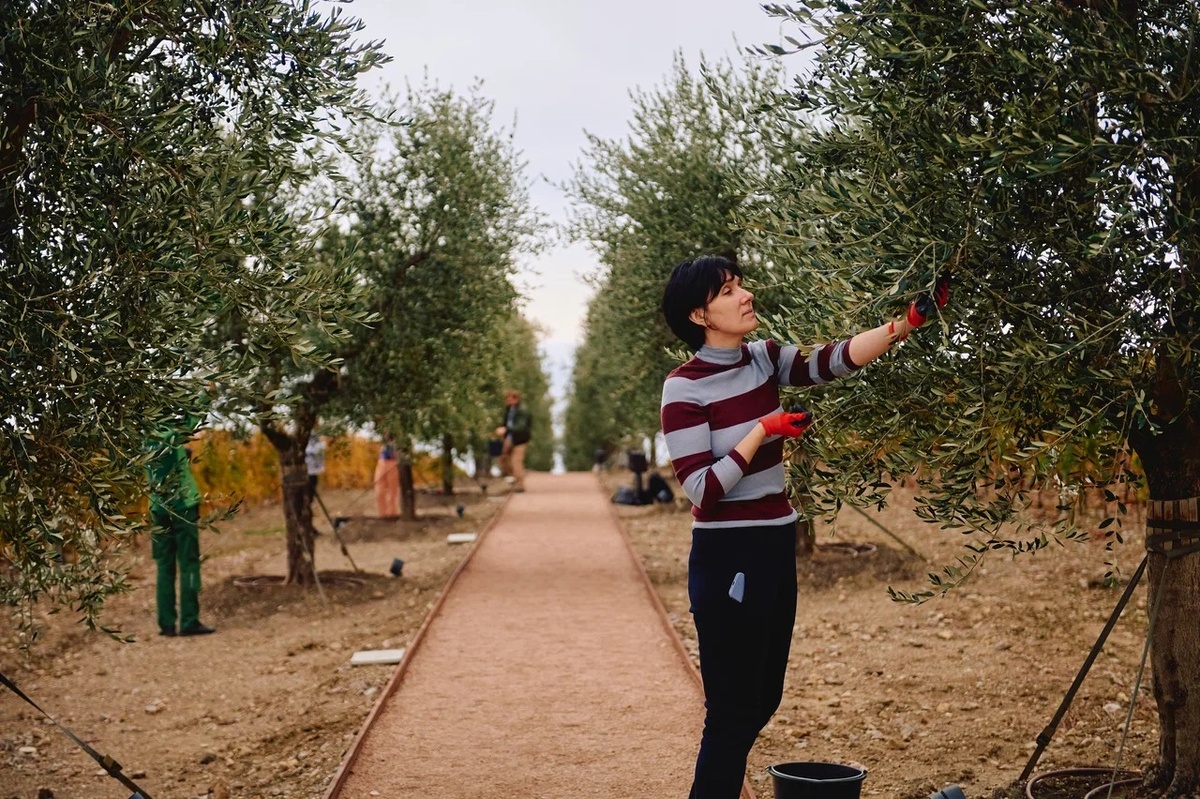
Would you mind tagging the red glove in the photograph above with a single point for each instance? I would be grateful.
(926, 305)
(790, 423)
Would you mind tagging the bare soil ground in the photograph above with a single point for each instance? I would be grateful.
(951, 691)
(267, 705)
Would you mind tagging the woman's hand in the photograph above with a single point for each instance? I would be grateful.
(789, 423)
(926, 304)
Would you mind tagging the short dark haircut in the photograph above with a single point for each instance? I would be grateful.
(692, 285)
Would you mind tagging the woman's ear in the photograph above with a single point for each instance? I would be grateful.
(697, 317)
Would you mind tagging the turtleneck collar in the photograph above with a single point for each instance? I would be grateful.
(724, 356)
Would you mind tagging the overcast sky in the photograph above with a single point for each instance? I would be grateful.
(561, 68)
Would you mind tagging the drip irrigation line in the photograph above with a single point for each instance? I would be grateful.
(1095, 792)
(1127, 777)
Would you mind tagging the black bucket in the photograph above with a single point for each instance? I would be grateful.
(816, 781)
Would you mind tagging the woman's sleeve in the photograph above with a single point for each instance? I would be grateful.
(825, 363)
(704, 478)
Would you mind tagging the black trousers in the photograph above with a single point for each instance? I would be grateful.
(743, 645)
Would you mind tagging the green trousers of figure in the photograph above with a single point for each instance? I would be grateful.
(176, 542)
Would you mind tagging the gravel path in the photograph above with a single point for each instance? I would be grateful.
(546, 673)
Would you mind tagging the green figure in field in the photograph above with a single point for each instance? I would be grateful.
(175, 537)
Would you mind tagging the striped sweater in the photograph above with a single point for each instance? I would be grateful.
(711, 402)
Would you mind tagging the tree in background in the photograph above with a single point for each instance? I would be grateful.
(1046, 154)
(440, 214)
(470, 404)
(134, 141)
(284, 396)
(590, 421)
(666, 192)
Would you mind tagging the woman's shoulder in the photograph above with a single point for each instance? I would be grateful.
(764, 350)
(680, 384)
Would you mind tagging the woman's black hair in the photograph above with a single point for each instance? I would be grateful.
(692, 285)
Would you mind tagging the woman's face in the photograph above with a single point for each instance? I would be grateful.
(728, 316)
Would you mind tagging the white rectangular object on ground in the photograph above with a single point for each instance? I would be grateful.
(374, 657)
(460, 538)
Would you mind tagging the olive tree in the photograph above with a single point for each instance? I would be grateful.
(665, 192)
(136, 139)
(440, 215)
(1046, 155)
(469, 402)
(285, 396)
(591, 422)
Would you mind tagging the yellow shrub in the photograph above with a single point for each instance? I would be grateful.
(350, 462)
(229, 468)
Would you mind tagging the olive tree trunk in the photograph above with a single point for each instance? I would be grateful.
(408, 494)
(297, 500)
(447, 465)
(297, 513)
(1171, 461)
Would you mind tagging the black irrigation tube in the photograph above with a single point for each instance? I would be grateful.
(1111, 779)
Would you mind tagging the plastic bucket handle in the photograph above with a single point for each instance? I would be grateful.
(815, 780)
(817, 772)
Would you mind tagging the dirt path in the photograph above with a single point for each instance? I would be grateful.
(547, 672)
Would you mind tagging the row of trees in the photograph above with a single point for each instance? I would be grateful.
(1046, 154)
(201, 212)
(668, 191)
(427, 220)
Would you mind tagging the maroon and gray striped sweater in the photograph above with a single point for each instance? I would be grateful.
(711, 402)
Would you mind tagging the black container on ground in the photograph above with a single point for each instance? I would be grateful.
(810, 780)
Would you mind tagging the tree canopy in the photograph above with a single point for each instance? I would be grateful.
(137, 143)
(1017, 148)
(440, 217)
(665, 192)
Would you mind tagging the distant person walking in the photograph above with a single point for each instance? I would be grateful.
(515, 434)
(725, 428)
(175, 532)
(387, 480)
